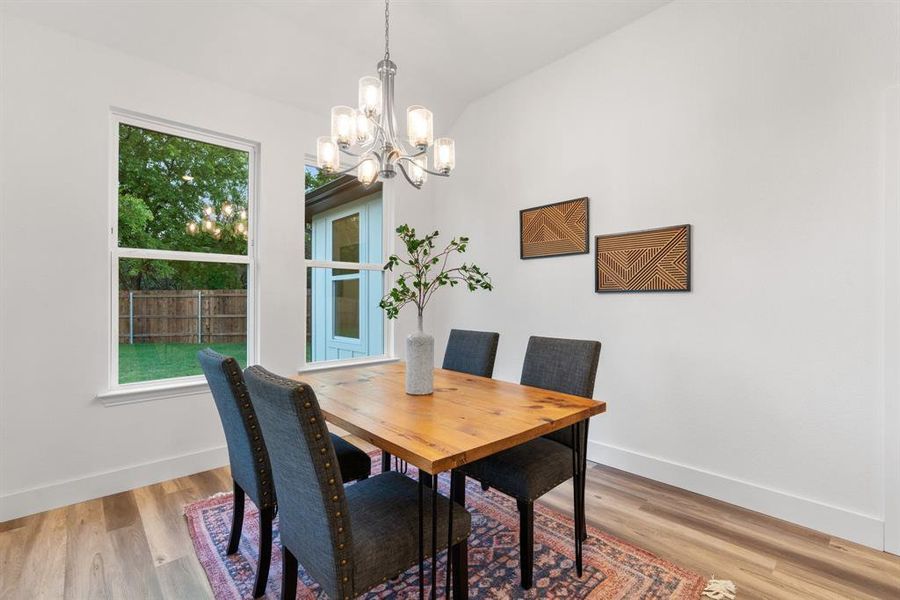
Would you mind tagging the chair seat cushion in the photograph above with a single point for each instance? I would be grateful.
(525, 472)
(354, 463)
(384, 513)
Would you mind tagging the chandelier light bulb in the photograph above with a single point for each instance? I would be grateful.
(243, 215)
(419, 126)
(370, 96)
(363, 129)
(444, 155)
(343, 125)
(192, 228)
(207, 224)
(367, 171)
(328, 156)
(227, 209)
(417, 170)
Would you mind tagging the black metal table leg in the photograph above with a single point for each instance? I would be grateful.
(450, 492)
(434, 554)
(587, 423)
(385, 461)
(577, 464)
(421, 542)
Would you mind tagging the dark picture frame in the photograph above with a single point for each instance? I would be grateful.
(685, 285)
(586, 245)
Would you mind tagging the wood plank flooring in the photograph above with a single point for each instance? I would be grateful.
(135, 544)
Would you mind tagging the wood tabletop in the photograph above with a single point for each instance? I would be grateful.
(467, 417)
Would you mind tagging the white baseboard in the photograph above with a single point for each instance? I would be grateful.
(843, 523)
(859, 528)
(63, 493)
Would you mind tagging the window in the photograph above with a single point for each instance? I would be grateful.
(182, 250)
(345, 279)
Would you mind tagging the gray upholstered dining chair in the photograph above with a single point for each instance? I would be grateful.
(347, 539)
(249, 459)
(528, 471)
(471, 352)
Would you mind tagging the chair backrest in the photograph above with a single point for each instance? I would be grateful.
(471, 352)
(561, 365)
(312, 509)
(247, 453)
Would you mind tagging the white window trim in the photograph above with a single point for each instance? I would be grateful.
(388, 245)
(128, 393)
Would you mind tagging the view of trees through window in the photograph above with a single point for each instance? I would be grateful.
(179, 199)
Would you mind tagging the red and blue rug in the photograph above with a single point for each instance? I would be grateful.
(613, 569)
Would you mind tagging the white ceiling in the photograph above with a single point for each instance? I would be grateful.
(311, 53)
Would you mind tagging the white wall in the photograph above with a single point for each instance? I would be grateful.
(57, 443)
(762, 124)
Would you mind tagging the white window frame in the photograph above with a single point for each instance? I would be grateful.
(126, 393)
(388, 245)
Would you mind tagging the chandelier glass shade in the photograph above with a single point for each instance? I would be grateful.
(368, 135)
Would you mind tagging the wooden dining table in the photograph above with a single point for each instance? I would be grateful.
(466, 418)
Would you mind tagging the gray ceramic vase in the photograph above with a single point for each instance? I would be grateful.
(419, 362)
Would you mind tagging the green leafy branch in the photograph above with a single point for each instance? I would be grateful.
(424, 271)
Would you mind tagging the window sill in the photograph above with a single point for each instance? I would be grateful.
(146, 393)
(198, 386)
(342, 364)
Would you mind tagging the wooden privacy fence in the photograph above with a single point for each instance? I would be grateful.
(182, 316)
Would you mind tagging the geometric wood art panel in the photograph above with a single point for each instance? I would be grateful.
(656, 260)
(554, 229)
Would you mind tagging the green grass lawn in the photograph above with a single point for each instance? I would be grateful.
(146, 362)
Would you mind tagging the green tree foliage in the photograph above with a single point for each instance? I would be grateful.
(425, 271)
(316, 178)
(166, 182)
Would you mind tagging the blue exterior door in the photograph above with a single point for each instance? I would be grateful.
(346, 320)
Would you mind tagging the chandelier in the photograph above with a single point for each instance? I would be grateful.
(213, 223)
(369, 136)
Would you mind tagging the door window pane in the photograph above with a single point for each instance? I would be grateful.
(345, 241)
(343, 318)
(346, 307)
(181, 194)
(169, 310)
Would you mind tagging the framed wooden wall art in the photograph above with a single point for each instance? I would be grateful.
(655, 260)
(557, 229)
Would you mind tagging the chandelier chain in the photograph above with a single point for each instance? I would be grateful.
(387, 30)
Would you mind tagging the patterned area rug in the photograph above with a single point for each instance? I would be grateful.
(613, 569)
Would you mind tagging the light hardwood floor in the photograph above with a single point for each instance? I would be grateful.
(135, 544)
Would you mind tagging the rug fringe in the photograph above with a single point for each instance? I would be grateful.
(720, 589)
